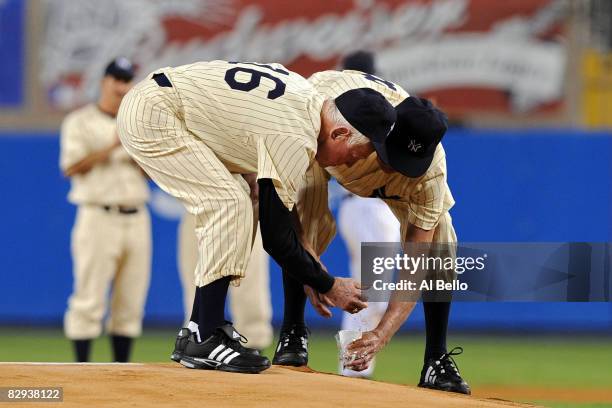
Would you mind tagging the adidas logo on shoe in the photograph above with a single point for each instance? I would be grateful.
(223, 351)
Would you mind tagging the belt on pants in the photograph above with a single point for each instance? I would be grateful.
(162, 80)
(120, 209)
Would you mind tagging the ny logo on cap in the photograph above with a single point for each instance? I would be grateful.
(123, 63)
(413, 146)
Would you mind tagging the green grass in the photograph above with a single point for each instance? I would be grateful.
(540, 361)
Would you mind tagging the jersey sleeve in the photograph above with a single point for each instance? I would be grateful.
(426, 203)
(284, 160)
(316, 78)
(73, 147)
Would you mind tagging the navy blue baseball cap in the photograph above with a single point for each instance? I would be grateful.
(369, 112)
(120, 68)
(360, 61)
(411, 146)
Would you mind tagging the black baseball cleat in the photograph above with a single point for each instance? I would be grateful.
(443, 374)
(223, 351)
(292, 347)
(180, 343)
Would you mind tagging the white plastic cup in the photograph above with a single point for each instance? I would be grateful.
(343, 339)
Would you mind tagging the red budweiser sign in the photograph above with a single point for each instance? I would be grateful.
(468, 54)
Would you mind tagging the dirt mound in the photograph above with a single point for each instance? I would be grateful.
(153, 385)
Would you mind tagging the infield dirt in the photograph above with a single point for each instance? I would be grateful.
(161, 385)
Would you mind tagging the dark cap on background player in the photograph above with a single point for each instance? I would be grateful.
(121, 69)
(412, 143)
(369, 112)
(360, 61)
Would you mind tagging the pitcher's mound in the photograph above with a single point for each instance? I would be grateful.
(151, 385)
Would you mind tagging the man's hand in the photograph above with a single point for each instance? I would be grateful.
(365, 348)
(93, 159)
(317, 301)
(116, 142)
(345, 294)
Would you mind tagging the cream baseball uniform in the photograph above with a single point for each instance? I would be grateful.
(110, 250)
(212, 122)
(249, 303)
(423, 202)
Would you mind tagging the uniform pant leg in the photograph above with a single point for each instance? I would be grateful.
(224, 230)
(186, 168)
(378, 224)
(131, 282)
(445, 232)
(95, 254)
(250, 302)
(446, 240)
(187, 261)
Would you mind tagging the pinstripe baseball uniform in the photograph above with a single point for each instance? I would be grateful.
(423, 202)
(108, 246)
(196, 128)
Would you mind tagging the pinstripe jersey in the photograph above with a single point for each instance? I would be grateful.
(259, 118)
(197, 128)
(116, 182)
(417, 201)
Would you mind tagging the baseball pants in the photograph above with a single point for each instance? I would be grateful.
(249, 303)
(377, 224)
(152, 131)
(110, 252)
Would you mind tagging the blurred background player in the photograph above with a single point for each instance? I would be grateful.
(111, 237)
(377, 224)
(250, 304)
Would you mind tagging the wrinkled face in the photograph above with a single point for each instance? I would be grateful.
(334, 149)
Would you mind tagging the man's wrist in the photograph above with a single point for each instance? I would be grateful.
(381, 333)
(326, 283)
(105, 153)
